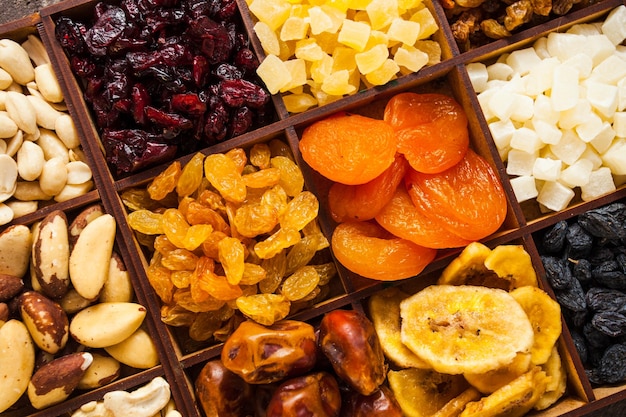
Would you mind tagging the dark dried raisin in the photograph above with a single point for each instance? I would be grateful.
(572, 297)
(605, 299)
(611, 323)
(554, 240)
(558, 273)
(612, 367)
(579, 241)
(605, 222)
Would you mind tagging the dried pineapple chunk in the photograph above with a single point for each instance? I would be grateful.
(384, 310)
(459, 329)
(297, 70)
(410, 58)
(422, 392)
(274, 73)
(271, 12)
(382, 12)
(405, 31)
(544, 314)
(338, 83)
(309, 50)
(297, 103)
(321, 68)
(294, 28)
(383, 74)
(268, 38)
(369, 60)
(354, 34)
(427, 22)
(512, 400)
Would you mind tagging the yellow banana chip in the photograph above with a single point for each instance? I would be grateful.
(491, 381)
(422, 392)
(384, 311)
(512, 400)
(557, 385)
(512, 263)
(544, 314)
(455, 406)
(460, 329)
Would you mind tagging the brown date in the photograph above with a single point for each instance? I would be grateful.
(221, 393)
(349, 341)
(313, 395)
(262, 355)
(381, 403)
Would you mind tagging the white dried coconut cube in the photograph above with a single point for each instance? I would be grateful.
(620, 52)
(603, 140)
(564, 45)
(621, 94)
(600, 183)
(500, 71)
(614, 26)
(478, 75)
(590, 154)
(619, 124)
(541, 48)
(523, 60)
(577, 175)
(615, 157)
(586, 29)
(520, 162)
(527, 140)
(570, 147)
(547, 169)
(548, 132)
(602, 97)
(610, 71)
(539, 79)
(555, 196)
(599, 47)
(589, 128)
(582, 62)
(501, 104)
(502, 132)
(523, 108)
(524, 188)
(565, 88)
(544, 110)
(483, 100)
(570, 118)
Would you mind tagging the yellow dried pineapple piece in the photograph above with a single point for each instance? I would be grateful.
(274, 73)
(272, 12)
(338, 83)
(427, 22)
(369, 60)
(383, 74)
(354, 34)
(382, 12)
(405, 31)
(309, 50)
(297, 103)
(410, 59)
(294, 28)
(268, 38)
(460, 329)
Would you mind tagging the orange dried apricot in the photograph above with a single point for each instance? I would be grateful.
(403, 219)
(370, 251)
(364, 201)
(431, 130)
(349, 148)
(467, 199)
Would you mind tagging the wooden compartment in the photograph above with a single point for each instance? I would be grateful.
(181, 357)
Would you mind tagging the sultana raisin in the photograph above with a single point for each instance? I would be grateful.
(179, 260)
(159, 278)
(263, 178)
(300, 284)
(231, 255)
(301, 210)
(291, 178)
(146, 222)
(196, 235)
(260, 155)
(222, 172)
(165, 182)
(265, 309)
(175, 226)
(275, 268)
(252, 220)
(252, 274)
(191, 176)
(281, 239)
(301, 253)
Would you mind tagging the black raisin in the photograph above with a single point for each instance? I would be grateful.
(579, 242)
(572, 297)
(605, 299)
(605, 222)
(610, 275)
(581, 270)
(611, 323)
(612, 367)
(554, 239)
(580, 344)
(558, 273)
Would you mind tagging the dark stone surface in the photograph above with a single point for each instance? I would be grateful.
(16, 9)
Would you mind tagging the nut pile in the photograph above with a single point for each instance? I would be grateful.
(40, 155)
(68, 319)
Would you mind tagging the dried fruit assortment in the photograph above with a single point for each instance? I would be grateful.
(405, 186)
(231, 236)
(556, 111)
(69, 323)
(475, 23)
(164, 79)
(317, 52)
(585, 263)
(41, 158)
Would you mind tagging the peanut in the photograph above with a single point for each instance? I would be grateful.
(66, 131)
(52, 146)
(30, 161)
(5, 79)
(53, 177)
(6, 214)
(78, 172)
(15, 60)
(8, 180)
(8, 127)
(21, 111)
(46, 115)
(47, 83)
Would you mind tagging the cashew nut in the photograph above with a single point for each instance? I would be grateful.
(144, 401)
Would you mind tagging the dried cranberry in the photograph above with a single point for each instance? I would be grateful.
(70, 35)
(200, 70)
(141, 99)
(237, 93)
(105, 31)
(132, 149)
(241, 121)
(82, 66)
(246, 60)
(216, 125)
(227, 71)
(167, 120)
(189, 103)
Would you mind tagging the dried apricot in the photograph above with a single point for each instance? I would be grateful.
(403, 219)
(349, 148)
(370, 251)
(364, 201)
(431, 130)
(467, 199)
